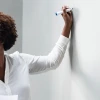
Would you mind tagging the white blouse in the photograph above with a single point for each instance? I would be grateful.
(20, 65)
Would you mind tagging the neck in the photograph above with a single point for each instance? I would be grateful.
(1, 56)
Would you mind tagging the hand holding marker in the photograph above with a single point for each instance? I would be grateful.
(60, 12)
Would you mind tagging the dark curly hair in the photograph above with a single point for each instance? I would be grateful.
(8, 32)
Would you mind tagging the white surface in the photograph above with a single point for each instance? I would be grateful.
(83, 53)
(13, 97)
(85, 50)
(41, 30)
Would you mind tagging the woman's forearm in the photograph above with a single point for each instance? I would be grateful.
(66, 31)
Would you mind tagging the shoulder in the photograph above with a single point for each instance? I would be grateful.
(22, 57)
(14, 57)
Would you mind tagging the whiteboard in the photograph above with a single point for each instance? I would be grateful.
(85, 50)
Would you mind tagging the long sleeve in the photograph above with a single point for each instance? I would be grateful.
(39, 64)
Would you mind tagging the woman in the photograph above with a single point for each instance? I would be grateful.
(15, 68)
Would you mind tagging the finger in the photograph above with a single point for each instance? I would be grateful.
(62, 14)
(64, 10)
(66, 7)
(70, 15)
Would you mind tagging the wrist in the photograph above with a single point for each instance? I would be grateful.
(66, 31)
(67, 26)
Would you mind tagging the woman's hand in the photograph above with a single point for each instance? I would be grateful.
(67, 16)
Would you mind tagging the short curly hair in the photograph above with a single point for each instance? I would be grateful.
(8, 32)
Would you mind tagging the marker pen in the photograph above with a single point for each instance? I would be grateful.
(60, 12)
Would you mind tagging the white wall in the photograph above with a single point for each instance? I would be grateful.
(83, 51)
(41, 30)
(14, 8)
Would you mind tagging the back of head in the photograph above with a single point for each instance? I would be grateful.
(8, 32)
